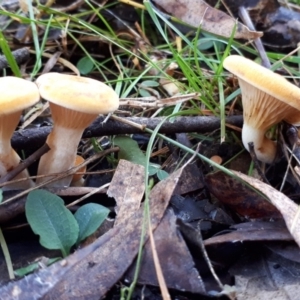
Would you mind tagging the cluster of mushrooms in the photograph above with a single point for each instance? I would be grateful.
(267, 98)
(75, 102)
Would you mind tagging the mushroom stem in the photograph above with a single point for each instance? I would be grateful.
(9, 159)
(61, 156)
(265, 149)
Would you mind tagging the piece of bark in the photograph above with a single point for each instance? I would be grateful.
(36, 137)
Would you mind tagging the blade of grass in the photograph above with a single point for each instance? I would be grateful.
(35, 35)
(9, 56)
(37, 65)
(7, 257)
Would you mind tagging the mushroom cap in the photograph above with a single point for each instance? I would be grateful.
(264, 79)
(262, 110)
(17, 94)
(268, 98)
(78, 93)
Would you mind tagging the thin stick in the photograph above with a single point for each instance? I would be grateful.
(65, 174)
(243, 13)
(202, 124)
(24, 164)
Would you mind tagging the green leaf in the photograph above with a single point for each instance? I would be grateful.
(161, 174)
(89, 218)
(9, 56)
(129, 150)
(144, 93)
(152, 170)
(85, 65)
(51, 220)
(149, 83)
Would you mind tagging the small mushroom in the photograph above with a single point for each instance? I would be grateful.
(268, 98)
(75, 102)
(77, 179)
(16, 95)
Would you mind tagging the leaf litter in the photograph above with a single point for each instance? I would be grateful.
(176, 248)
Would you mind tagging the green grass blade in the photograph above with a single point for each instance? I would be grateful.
(9, 56)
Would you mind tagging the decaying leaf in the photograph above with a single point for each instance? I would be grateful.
(289, 209)
(253, 231)
(198, 13)
(175, 259)
(262, 274)
(239, 197)
(127, 187)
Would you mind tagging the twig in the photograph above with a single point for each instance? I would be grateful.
(36, 137)
(63, 175)
(243, 13)
(25, 164)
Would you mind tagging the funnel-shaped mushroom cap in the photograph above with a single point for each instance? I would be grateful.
(16, 94)
(75, 102)
(268, 98)
(78, 93)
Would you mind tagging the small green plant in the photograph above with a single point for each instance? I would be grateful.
(57, 227)
(129, 150)
(85, 65)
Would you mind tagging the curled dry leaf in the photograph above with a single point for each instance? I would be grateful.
(289, 210)
(198, 13)
(239, 197)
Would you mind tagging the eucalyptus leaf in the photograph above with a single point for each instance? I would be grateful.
(51, 220)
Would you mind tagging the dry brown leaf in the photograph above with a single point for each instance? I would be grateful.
(239, 197)
(253, 232)
(127, 187)
(289, 209)
(176, 261)
(198, 13)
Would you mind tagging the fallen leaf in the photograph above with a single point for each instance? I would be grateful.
(240, 197)
(176, 261)
(252, 231)
(261, 274)
(198, 13)
(289, 209)
(127, 187)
